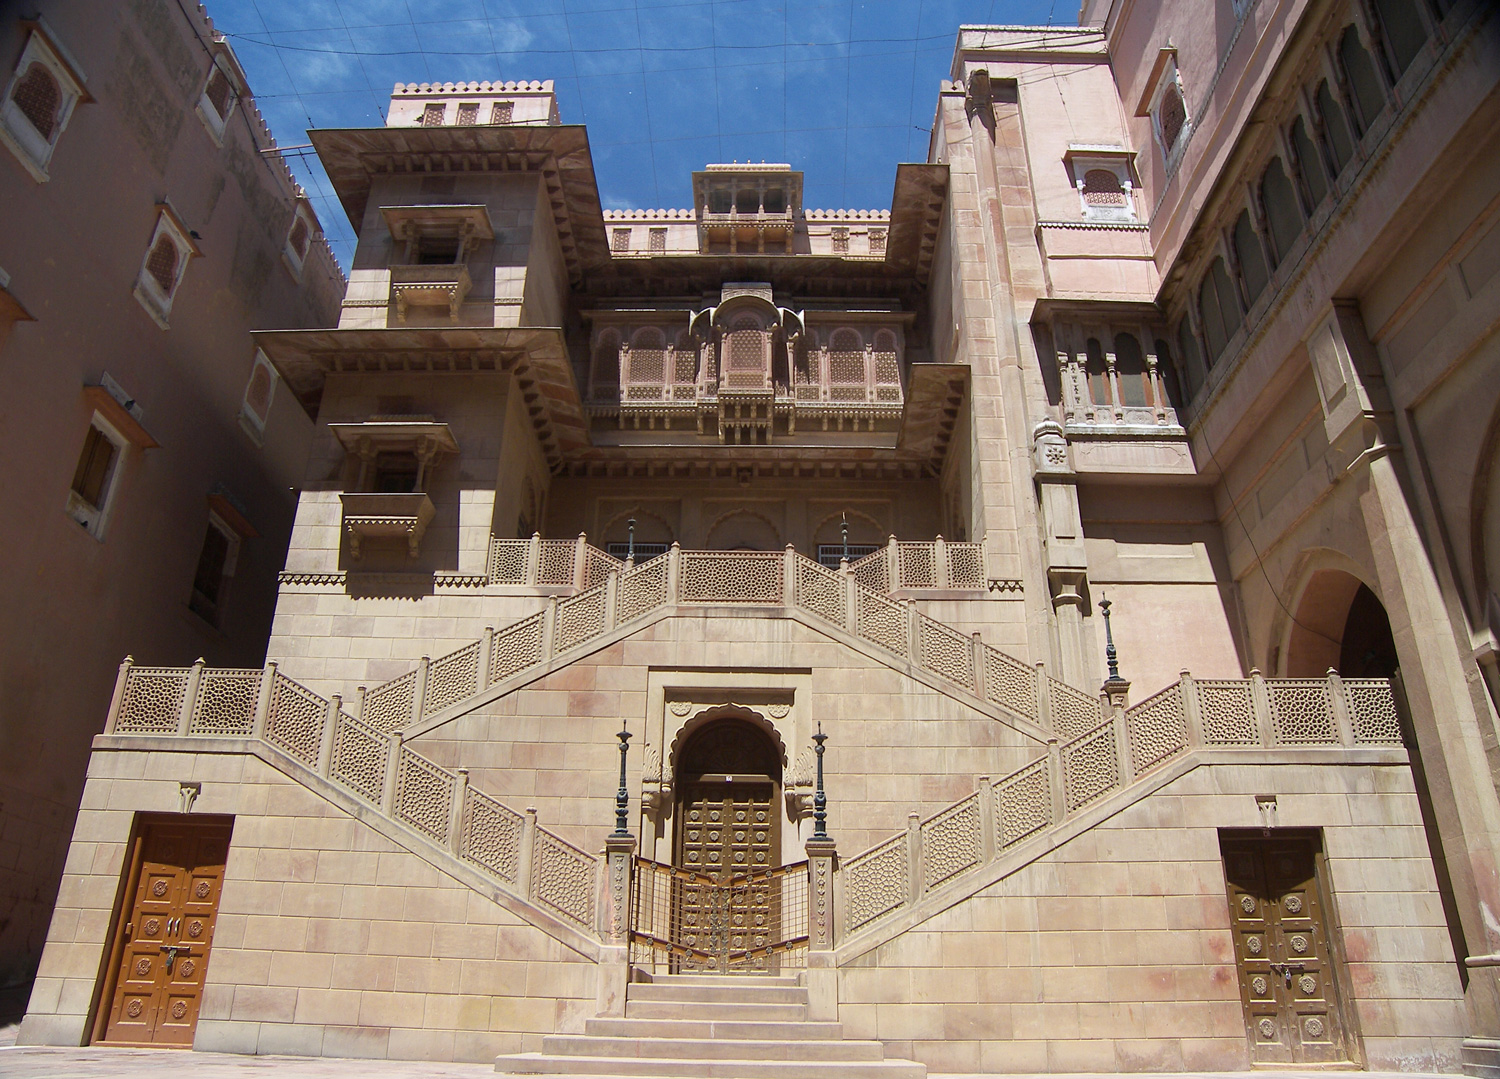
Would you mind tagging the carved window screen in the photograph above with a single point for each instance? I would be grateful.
(747, 356)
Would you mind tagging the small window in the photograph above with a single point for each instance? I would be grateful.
(38, 104)
(216, 564)
(1335, 130)
(1251, 258)
(1309, 164)
(657, 241)
(619, 241)
(468, 114)
(1131, 371)
(840, 240)
(298, 239)
(94, 478)
(437, 250)
(1169, 114)
(163, 267)
(396, 472)
(1097, 371)
(432, 114)
(255, 408)
(1283, 215)
(216, 103)
(877, 241)
(1404, 31)
(501, 113)
(1369, 94)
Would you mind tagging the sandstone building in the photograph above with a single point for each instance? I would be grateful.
(145, 228)
(1101, 542)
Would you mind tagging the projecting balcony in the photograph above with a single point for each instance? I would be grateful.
(379, 515)
(439, 285)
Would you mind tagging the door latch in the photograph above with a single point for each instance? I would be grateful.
(173, 949)
(1286, 970)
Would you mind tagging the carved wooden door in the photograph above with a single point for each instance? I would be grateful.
(168, 927)
(727, 835)
(1282, 950)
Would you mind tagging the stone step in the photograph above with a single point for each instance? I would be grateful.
(717, 993)
(715, 1011)
(683, 1068)
(718, 979)
(583, 1045)
(728, 1030)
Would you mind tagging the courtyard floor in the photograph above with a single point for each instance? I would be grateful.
(32, 1062)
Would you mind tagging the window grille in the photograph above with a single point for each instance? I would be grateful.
(840, 240)
(877, 241)
(468, 114)
(658, 241)
(1172, 116)
(643, 551)
(298, 237)
(1101, 188)
(218, 92)
(162, 264)
(619, 240)
(502, 112)
(39, 98)
(432, 115)
(829, 554)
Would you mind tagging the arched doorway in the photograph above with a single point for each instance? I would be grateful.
(728, 784)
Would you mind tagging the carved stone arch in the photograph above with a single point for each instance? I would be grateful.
(846, 339)
(691, 725)
(656, 529)
(871, 530)
(648, 337)
(729, 313)
(1307, 634)
(723, 528)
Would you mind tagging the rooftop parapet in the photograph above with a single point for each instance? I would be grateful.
(472, 104)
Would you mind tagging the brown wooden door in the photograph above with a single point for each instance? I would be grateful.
(728, 835)
(168, 927)
(1282, 950)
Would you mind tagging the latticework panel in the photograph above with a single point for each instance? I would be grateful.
(918, 565)
(581, 618)
(562, 877)
(424, 795)
(556, 566)
(597, 566)
(880, 621)
(508, 560)
(821, 592)
(1158, 728)
(1301, 713)
(152, 700)
(945, 651)
(226, 702)
(390, 707)
(1372, 708)
(1073, 711)
(875, 882)
(731, 577)
(1228, 714)
(873, 570)
(952, 842)
(360, 755)
(642, 590)
(1023, 803)
(648, 366)
(1090, 767)
(1009, 682)
(491, 835)
(965, 565)
(451, 678)
(515, 648)
(295, 720)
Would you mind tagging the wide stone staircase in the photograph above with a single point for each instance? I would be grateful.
(707, 1026)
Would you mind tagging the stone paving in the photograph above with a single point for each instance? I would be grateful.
(32, 1062)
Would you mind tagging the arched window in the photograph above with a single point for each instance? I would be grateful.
(746, 355)
(846, 365)
(1219, 308)
(298, 237)
(1309, 164)
(1283, 215)
(1335, 128)
(1104, 196)
(39, 98)
(605, 377)
(1097, 371)
(1166, 370)
(1130, 369)
(1192, 362)
(1405, 32)
(1172, 116)
(1251, 258)
(1369, 94)
(161, 264)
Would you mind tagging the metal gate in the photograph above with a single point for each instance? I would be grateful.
(751, 922)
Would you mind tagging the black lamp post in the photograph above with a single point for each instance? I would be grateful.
(622, 796)
(630, 544)
(820, 798)
(1110, 656)
(844, 529)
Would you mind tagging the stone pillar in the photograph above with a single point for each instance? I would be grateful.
(614, 930)
(822, 973)
(1067, 566)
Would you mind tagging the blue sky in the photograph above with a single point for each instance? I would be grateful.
(842, 89)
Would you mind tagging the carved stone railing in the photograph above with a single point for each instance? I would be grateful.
(364, 757)
(1076, 773)
(536, 561)
(901, 565)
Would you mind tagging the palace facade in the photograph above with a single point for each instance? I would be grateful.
(1048, 625)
